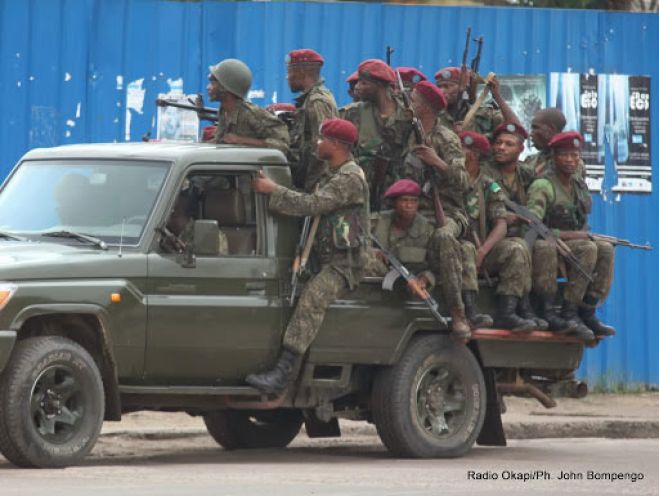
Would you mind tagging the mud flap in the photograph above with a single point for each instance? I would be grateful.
(492, 433)
(317, 428)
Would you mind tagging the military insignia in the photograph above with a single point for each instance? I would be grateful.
(364, 73)
(510, 128)
(446, 74)
(494, 187)
(576, 142)
(287, 59)
(468, 140)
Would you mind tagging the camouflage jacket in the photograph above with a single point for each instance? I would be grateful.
(341, 201)
(253, 122)
(451, 185)
(542, 162)
(381, 144)
(312, 108)
(487, 118)
(484, 205)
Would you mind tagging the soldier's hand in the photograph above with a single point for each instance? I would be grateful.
(494, 85)
(513, 218)
(428, 156)
(480, 256)
(263, 184)
(457, 127)
(416, 287)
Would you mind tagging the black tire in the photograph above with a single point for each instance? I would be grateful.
(431, 404)
(235, 429)
(51, 403)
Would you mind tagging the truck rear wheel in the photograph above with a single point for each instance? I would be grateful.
(51, 403)
(431, 404)
(235, 429)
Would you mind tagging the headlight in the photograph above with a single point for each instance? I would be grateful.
(6, 292)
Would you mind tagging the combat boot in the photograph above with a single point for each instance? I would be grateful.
(525, 310)
(459, 326)
(591, 321)
(506, 317)
(556, 323)
(278, 379)
(476, 320)
(570, 313)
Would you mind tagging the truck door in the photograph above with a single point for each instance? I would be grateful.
(215, 322)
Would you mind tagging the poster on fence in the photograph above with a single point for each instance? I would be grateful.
(175, 124)
(613, 109)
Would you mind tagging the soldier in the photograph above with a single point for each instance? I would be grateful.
(410, 77)
(561, 199)
(438, 165)
(488, 116)
(352, 86)
(238, 121)
(342, 202)
(314, 105)
(546, 124)
(384, 126)
(498, 255)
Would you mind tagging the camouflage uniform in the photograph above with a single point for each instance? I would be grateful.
(410, 247)
(485, 121)
(342, 202)
(312, 108)
(542, 162)
(568, 210)
(253, 122)
(381, 144)
(445, 257)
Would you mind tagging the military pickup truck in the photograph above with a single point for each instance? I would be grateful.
(99, 316)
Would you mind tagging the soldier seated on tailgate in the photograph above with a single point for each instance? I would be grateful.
(239, 121)
(488, 248)
(562, 200)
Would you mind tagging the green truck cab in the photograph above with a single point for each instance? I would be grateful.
(98, 318)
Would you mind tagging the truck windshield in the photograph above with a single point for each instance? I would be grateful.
(107, 200)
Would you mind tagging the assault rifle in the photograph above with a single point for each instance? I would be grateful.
(619, 242)
(463, 95)
(204, 113)
(302, 252)
(420, 137)
(402, 271)
(539, 229)
(389, 52)
(475, 64)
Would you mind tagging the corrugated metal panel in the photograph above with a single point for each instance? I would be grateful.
(65, 66)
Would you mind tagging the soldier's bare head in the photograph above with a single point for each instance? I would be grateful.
(545, 124)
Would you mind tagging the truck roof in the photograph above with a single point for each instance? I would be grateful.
(171, 152)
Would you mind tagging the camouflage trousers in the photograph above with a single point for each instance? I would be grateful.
(318, 294)
(596, 258)
(509, 259)
(445, 261)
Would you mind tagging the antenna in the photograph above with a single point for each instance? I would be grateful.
(121, 238)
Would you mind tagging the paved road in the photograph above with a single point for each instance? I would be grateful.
(122, 466)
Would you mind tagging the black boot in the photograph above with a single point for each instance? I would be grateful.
(589, 318)
(556, 323)
(570, 313)
(278, 379)
(477, 320)
(525, 310)
(506, 317)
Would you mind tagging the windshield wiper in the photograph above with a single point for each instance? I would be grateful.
(11, 236)
(79, 236)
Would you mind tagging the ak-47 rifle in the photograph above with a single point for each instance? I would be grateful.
(475, 65)
(302, 252)
(420, 137)
(540, 229)
(402, 271)
(204, 113)
(619, 242)
(389, 52)
(463, 95)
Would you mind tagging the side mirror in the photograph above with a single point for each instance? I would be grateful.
(206, 239)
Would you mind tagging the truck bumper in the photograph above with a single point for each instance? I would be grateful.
(7, 340)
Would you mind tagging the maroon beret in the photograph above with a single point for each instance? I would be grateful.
(353, 78)
(431, 94)
(569, 140)
(304, 56)
(376, 70)
(510, 128)
(449, 74)
(208, 133)
(280, 107)
(403, 187)
(339, 130)
(411, 75)
(475, 140)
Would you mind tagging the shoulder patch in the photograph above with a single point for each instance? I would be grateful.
(494, 187)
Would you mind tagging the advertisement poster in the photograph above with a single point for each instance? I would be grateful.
(175, 124)
(613, 109)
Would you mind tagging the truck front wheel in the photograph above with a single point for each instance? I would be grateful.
(51, 403)
(236, 429)
(431, 404)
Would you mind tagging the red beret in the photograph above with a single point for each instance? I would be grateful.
(450, 74)
(208, 133)
(403, 187)
(431, 94)
(280, 107)
(339, 130)
(375, 69)
(570, 140)
(510, 128)
(411, 75)
(304, 56)
(475, 140)
(353, 78)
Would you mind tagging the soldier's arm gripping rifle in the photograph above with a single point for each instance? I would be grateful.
(619, 242)
(539, 229)
(421, 293)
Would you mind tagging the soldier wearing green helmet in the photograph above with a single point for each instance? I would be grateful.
(239, 121)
